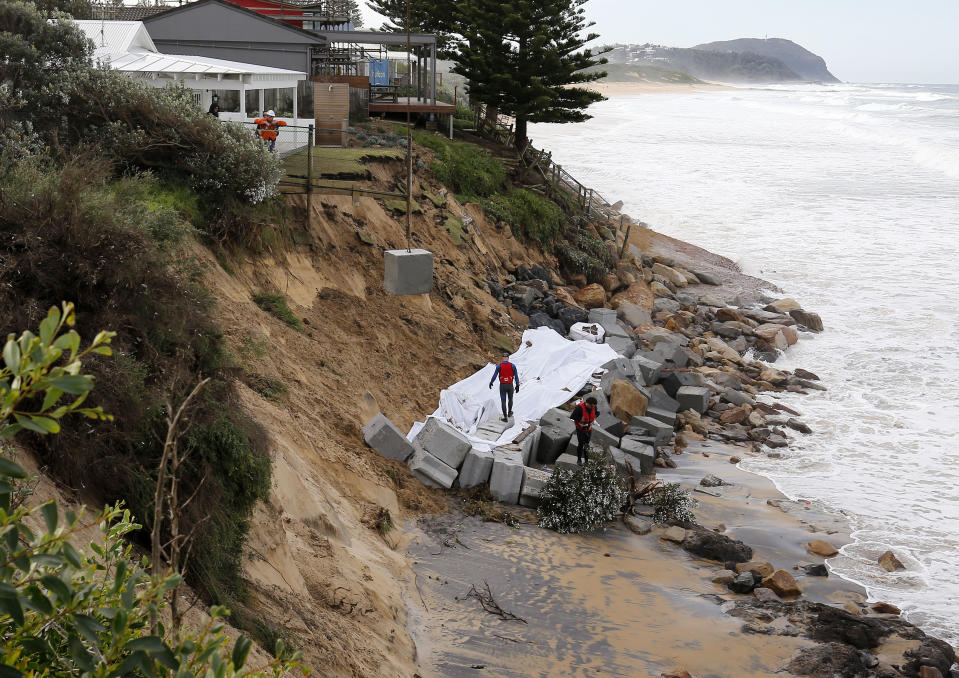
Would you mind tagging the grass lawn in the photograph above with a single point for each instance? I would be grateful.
(338, 162)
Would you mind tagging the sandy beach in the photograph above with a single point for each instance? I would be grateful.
(611, 89)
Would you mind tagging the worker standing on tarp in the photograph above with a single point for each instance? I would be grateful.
(583, 415)
(268, 129)
(508, 375)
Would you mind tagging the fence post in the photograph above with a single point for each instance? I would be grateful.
(344, 126)
(622, 252)
(309, 176)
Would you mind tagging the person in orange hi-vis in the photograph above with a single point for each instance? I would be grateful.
(267, 127)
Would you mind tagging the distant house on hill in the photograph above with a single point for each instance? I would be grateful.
(127, 46)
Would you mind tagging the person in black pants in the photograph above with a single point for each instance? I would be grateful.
(508, 375)
(584, 415)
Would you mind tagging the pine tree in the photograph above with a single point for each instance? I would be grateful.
(351, 8)
(526, 59)
(426, 16)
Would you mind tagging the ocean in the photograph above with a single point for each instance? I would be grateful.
(847, 198)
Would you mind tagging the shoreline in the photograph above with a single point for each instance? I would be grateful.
(634, 88)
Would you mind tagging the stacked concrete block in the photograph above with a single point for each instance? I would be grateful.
(506, 478)
(610, 423)
(430, 470)
(670, 352)
(659, 399)
(602, 315)
(476, 468)
(634, 315)
(618, 457)
(624, 346)
(492, 429)
(674, 381)
(600, 439)
(380, 434)
(567, 461)
(556, 428)
(602, 402)
(664, 416)
(444, 442)
(693, 398)
(640, 455)
(648, 369)
(528, 443)
(649, 426)
(408, 272)
(533, 485)
(625, 367)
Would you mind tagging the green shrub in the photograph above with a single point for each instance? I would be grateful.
(465, 168)
(581, 499)
(531, 216)
(275, 305)
(672, 504)
(582, 252)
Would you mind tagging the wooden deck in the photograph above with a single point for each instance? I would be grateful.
(411, 104)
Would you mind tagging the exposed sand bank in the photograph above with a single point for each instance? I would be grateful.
(613, 604)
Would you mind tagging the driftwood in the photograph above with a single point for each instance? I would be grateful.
(489, 603)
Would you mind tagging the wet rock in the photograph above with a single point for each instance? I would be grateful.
(889, 562)
(760, 567)
(591, 296)
(736, 415)
(852, 608)
(776, 440)
(820, 547)
(791, 335)
(638, 525)
(571, 315)
(724, 579)
(743, 583)
(734, 460)
(929, 672)
(676, 674)
(817, 570)
(783, 306)
(885, 608)
(674, 534)
(783, 583)
(713, 546)
(805, 374)
(712, 481)
(828, 660)
(797, 425)
(711, 300)
(811, 321)
(765, 595)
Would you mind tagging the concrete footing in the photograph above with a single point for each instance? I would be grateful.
(407, 272)
(430, 470)
(476, 468)
(380, 434)
(444, 442)
(693, 398)
(533, 484)
(506, 479)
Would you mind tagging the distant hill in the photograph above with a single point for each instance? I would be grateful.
(797, 58)
(774, 60)
(642, 73)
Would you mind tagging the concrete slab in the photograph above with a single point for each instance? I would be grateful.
(624, 346)
(506, 479)
(408, 272)
(492, 429)
(661, 400)
(639, 455)
(664, 416)
(647, 368)
(533, 483)
(600, 439)
(444, 442)
(552, 442)
(647, 425)
(566, 461)
(430, 470)
(559, 419)
(383, 436)
(693, 398)
(610, 423)
(476, 468)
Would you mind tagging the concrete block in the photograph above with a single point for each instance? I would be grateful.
(602, 403)
(567, 461)
(600, 439)
(430, 470)
(558, 418)
(610, 423)
(693, 398)
(633, 315)
(408, 272)
(659, 399)
(648, 369)
(664, 416)
(640, 455)
(444, 442)
(673, 381)
(506, 478)
(649, 426)
(602, 315)
(529, 445)
(514, 447)
(624, 346)
(476, 468)
(624, 366)
(737, 397)
(552, 441)
(533, 485)
(674, 353)
(380, 434)
(493, 428)
(619, 458)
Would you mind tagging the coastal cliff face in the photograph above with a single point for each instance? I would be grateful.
(797, 58)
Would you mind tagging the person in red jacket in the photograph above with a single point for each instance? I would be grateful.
(268, 128)
(508, 375)
(584, 415)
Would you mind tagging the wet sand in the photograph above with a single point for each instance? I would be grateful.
(613, 603)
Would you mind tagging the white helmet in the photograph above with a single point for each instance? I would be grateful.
(270, 113)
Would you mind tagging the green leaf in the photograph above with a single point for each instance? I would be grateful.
(35, 646)
(102, 350)
(9, 431)
(37, 601)
(50, 516)
(11, 606)
(80, 655)
(49, 325)
(69, 341)
(7, 671)
(128, 665)
(27, 422)
(11, 470)
(241, 651)
(74, 384)
(58, 587)
(11, 356)
(71, 555)
(147, 644)
(51, 398)
(119, 623)
(47, 560)
(89, 627)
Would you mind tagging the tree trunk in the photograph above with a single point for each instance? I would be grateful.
(520, 139)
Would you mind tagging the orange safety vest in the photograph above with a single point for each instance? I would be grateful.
(267, 129)
(585, 422)
(505, 373)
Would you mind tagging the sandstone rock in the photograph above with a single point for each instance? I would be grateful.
(763, 568)
(626, 401)
(711, 300)
(776, 440)
(820, 547)
(773, 376)
(885, 608)
(769, 332)
(797, 425)
(817, 570)
(676, 674)
(852, 608)
(929, 672)
(610, 283)
(724, 579)
(671, 274)
(812, 321)
(729, 314)
(638, 525)
(674, 534)
(721, 347)
(783, 306)
(660, 290)
(765, 595)
(783, 583)
(734, 460)
(889, 562)
(591, 296)
(805, 374)
(736, 415)
(564, 297)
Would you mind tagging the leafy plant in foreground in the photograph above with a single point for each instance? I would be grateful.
(581, 499)
(672, 504)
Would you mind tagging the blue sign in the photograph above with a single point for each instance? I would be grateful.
(379, 72)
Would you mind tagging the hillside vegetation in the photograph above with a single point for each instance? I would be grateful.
(797, 58)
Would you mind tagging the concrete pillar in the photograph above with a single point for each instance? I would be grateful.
(243, 102)
(296, 95)
(433, 69)
(260, 101)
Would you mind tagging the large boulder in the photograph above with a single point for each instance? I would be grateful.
(783, 583)
(811, 321)
(671, 274)
(714, 546)
(783, 306)
(626, 401)
(591, 296)
(633, 314)
(570, 315)
(543, 320)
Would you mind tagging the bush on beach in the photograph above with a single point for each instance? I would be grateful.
(582, 499)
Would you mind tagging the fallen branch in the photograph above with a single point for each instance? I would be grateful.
(490, 605)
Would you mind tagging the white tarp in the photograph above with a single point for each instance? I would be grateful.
(552, 370)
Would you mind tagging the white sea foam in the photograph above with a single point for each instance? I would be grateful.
(846, 197)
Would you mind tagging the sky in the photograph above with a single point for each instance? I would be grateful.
(891, 41)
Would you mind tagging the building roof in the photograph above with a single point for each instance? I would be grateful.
(303, 34)
(126, 13)
(127, 47)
